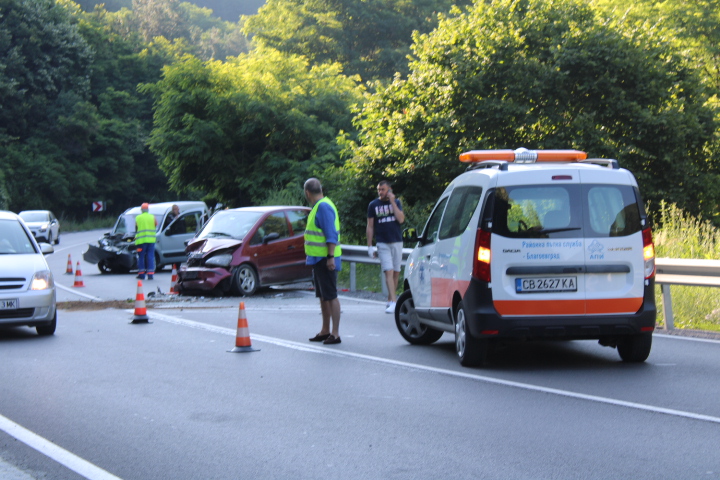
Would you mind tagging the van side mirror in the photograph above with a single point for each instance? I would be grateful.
(409, 235)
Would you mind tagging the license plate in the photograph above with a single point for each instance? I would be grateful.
(11, 304)
(543, 285)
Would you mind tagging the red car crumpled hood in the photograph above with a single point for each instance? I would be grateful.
(210, 245)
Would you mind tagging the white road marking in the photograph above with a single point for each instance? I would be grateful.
(480, 378)
(75, 292)
(49, 449)
(68, 247)
(691, 339)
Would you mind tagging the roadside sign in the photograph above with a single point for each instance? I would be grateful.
(98, 206)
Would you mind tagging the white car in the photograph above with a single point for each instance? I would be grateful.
(533, 245)
(27, 288)
(44, 226)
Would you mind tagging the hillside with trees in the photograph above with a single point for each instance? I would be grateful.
(154, 99)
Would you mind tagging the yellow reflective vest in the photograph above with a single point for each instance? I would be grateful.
(315, 241)
(145, 223)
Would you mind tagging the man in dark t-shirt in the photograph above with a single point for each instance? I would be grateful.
(384, 218)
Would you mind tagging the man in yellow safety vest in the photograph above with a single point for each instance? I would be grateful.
(322, 247)
(145, 242)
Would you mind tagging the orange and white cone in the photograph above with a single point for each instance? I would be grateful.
(242, 338)
(173, 280)
(78, 277)
(140, 315)
(69, 270)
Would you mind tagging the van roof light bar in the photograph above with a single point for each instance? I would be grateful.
(523, 155)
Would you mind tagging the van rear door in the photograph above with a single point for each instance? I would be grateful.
(538, 260)
(614, 243)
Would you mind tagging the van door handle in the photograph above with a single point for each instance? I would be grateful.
(291, 247)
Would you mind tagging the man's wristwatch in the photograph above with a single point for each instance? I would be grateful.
(331, 256)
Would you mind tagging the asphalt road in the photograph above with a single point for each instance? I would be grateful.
(166, 400)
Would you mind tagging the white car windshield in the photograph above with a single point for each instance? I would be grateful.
(34, 216)
(230, 224)
(13, 239)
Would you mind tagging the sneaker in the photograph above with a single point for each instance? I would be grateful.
(150, 277)
(390, 307)
(141, 276)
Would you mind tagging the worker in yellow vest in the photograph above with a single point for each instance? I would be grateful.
(145, 242)
(322, 247)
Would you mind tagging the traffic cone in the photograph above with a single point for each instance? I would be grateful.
(78, 277)
(140, 315)
(242, 338)
(68, 270)
(173, 280)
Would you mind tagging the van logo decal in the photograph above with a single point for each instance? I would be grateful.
(595, 247)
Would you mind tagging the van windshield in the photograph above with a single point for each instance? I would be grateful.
(567, 211)
(126, 224)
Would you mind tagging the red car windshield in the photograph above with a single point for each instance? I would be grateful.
(230, 224)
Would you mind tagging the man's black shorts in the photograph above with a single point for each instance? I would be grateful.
(325, 281)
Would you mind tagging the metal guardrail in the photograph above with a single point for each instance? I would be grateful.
(359, 254)
(690, 272)
(669, 271)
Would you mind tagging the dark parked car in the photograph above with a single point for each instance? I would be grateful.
(243, 249)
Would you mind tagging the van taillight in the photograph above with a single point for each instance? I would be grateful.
(648, 253)
(481, 261)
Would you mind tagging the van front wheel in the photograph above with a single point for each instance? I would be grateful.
(408, 323)
(471, 351)
(635, 348)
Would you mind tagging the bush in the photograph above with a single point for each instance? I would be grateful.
(679, 235)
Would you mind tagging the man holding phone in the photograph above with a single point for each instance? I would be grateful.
(384, 218)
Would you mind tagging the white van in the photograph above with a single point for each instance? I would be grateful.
(116, 252)
(533, 245)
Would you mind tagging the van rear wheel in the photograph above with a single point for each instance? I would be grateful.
(408, 323)
(471, 351)
(635, 348)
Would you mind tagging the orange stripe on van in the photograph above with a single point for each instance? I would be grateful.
(443, 290)
(540, 307)
(615, 305)
(567, 307)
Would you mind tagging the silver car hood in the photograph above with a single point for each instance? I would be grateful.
(22, 266)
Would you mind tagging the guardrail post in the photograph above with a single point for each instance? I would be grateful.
(352, 276)
(667, 306)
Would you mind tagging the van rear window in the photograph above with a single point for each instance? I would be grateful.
(567, 211)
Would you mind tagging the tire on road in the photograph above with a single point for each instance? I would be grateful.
(471, 351)
(244, 280)
(409, 325)
(45, 330)
(635, 348)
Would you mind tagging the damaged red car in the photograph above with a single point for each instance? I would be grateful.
(243, 249)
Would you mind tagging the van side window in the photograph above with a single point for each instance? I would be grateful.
(612, 210)
(430, 235)
(538, 211)
(463, 202)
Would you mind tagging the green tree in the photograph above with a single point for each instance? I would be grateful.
(540, 74)
(370, 38)
(241, 129)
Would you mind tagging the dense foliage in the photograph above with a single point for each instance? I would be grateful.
(541, 74)
(246, 121)
(370, 39)
(243, 129)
